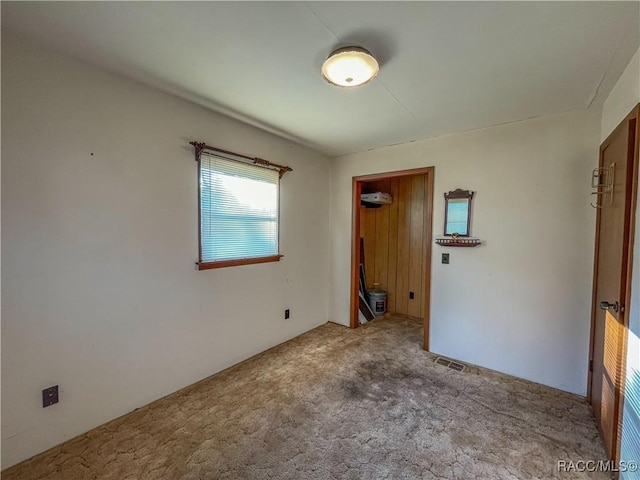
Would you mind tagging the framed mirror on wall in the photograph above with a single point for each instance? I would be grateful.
(457, 213)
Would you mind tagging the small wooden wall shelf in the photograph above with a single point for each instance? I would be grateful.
(458, 242)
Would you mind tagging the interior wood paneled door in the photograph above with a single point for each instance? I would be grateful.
(614, 230)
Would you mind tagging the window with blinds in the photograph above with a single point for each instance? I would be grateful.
(238, 210)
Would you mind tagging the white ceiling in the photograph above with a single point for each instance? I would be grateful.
(445, 66)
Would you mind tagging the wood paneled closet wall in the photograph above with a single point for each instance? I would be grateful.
(393, 242)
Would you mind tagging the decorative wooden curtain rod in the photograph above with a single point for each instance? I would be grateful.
(199, 147)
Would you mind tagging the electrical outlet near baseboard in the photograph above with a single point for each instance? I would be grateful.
(287, 314)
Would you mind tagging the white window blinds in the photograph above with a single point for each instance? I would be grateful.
(238, 209)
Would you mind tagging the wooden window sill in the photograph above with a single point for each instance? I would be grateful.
(238, 262)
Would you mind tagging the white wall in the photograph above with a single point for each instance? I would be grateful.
(520, 303)
(624, 96)
(99, 287)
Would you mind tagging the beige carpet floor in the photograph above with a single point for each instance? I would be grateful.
(336, 403)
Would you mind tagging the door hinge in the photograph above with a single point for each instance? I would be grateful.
(591, 365)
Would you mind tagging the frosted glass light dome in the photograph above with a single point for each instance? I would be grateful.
(350, 67)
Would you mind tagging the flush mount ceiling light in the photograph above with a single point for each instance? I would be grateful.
(350, 67)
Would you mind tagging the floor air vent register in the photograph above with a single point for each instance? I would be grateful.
(450, 364)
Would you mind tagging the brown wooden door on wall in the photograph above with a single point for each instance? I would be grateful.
(394, 241)
(613, 226)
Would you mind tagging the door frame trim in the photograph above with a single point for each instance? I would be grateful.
(356, 189)
(629, 221)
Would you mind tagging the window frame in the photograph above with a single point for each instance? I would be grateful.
(258, 163)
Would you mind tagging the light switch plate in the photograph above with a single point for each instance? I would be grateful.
(50, 396)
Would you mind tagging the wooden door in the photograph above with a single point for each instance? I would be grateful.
(611, 282)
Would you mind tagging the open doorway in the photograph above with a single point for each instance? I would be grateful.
(396, 238)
